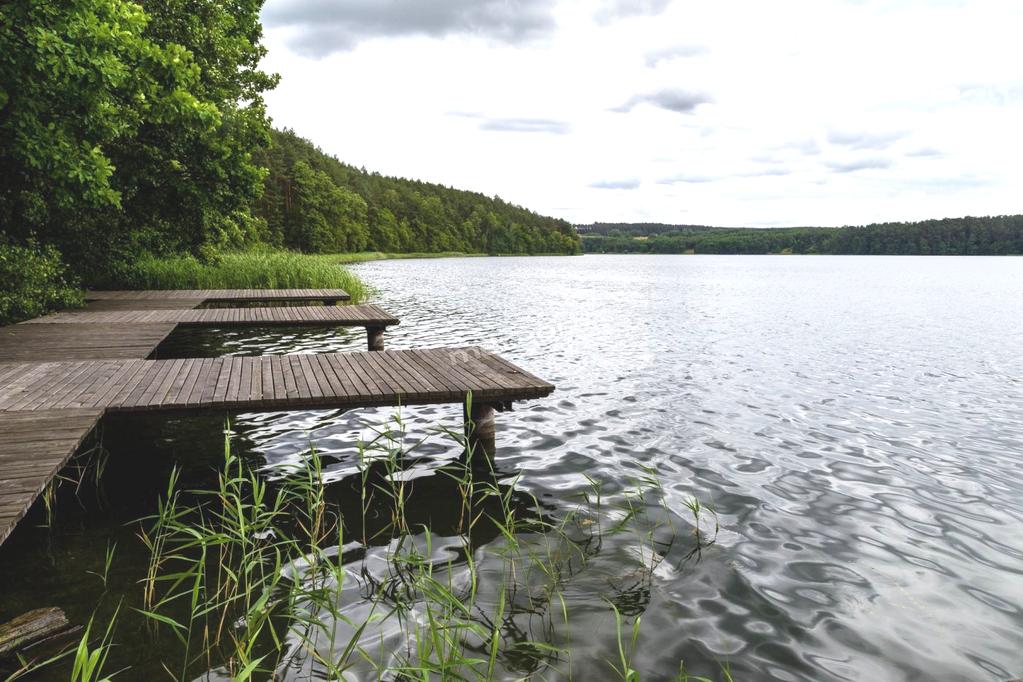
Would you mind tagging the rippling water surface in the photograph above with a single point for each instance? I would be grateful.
(856, 423)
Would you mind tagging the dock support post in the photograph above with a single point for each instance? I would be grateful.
(481, 428)
(375, 336)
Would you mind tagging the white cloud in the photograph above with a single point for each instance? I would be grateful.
(673, 99)
(631, 183)
(323, 27)
(851, 114)
(667, 54)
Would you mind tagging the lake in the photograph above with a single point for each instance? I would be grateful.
(856, 424)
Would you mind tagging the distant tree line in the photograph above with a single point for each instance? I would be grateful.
(640, 229)
(313, 202)
(979, 236)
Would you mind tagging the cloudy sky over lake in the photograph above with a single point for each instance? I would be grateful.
(821, 112)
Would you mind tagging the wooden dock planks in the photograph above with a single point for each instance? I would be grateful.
(34, 446)
(349, 315)
(221, 295)
(48, 408)
(268, 382)
(90, 334)
(37, 342)
(59, 374)
(101, 304)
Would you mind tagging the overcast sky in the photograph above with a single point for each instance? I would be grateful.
(822, 112)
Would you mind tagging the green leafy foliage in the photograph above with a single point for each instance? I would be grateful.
(325, 218)
(33, 282)
(997, 235)
(192, 177)
(315, 203)
(125, 129)
(74, 81)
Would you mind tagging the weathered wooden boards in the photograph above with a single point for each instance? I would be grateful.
(374, 319)
(442, 375)
(48, 408)
(222, 295)
(59, 374)
(28, 342)
(100, 304)
(350, 315)
(119, 329)
(34, 445)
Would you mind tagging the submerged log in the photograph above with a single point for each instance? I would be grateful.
(31, 628)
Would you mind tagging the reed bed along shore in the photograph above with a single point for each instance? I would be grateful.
(264, 577)
(257, 269)
(262, 269)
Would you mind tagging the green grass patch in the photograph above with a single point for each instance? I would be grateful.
(263, 269)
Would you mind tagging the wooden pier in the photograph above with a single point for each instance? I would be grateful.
(351, 315)
(107, 337)
(60, 374)
(375, 320)
(196, 297)
(28, 342)
(268, 382)
(34, 447)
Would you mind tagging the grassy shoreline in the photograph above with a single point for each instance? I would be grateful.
(256, 269)
(266, 268)
(245, 270)
(263, 269)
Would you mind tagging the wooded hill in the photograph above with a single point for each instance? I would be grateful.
(969, 236)
(313, 202)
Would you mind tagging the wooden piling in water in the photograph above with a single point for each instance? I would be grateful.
(375, 337)
(481, 428)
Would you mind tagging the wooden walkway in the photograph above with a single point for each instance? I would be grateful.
(268, 382)
(88, 335)
(34, 446)
(351, 315)
(188, 296)
(61, 373)
(136, 304)
(48, 408)
(38, 342)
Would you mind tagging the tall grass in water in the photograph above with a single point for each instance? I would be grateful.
(268, 580)
(258, 269)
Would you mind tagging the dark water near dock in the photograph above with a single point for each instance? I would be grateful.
(856, 423)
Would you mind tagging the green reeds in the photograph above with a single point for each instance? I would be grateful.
(257, 269)
(261, 579)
